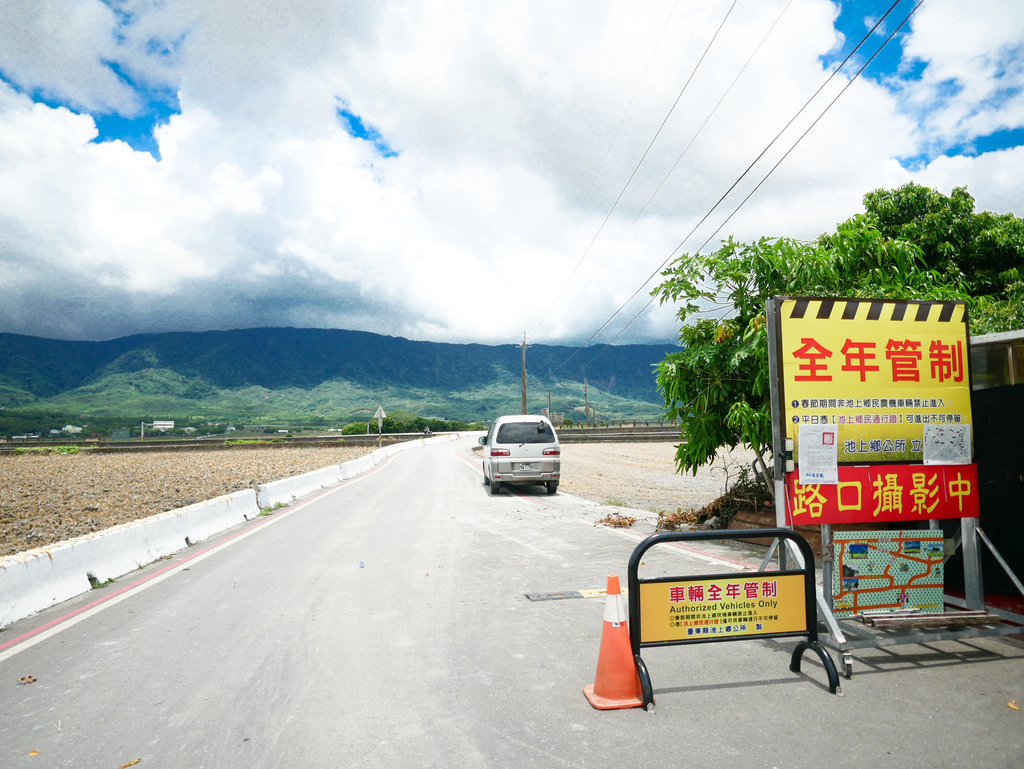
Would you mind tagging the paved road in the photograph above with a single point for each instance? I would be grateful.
(383, 623)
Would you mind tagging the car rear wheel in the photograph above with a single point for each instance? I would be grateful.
(552, 487)
(495, 487)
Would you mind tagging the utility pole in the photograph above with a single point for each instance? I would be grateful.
(524, 374)
(550, 415)
(586, 400)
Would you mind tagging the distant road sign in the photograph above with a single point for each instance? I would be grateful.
(163, 425)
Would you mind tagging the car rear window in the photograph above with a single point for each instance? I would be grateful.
(525, 432)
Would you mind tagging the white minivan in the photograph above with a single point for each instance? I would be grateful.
(521, 450)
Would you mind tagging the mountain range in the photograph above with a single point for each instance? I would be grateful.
(318, 374)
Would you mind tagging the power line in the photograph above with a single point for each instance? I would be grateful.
(743, 175)
(674, 165)
(758, 186)
(604, 162)
(649, 146)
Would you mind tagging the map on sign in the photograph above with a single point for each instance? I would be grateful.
(887, 571)
(947, 444)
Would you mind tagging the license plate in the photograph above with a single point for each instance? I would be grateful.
(526, 468)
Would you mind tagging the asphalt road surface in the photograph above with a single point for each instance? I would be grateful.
(384, 623)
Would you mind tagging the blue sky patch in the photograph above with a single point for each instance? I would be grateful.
(856, 17)
(995, 141)
(354, 126)
(1004, 139)
(137, 133)
(890, 70)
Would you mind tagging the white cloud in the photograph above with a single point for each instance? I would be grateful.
(994, 179)
(263, 210)
(60, 49)
(973, 83)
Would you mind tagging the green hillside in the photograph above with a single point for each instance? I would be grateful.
(275, 374)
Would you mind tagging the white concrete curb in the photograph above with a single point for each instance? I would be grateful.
(37, 579)
(286, 490)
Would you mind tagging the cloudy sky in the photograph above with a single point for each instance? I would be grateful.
(457, 170)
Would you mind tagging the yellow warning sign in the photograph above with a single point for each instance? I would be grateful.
(719, 608)
(878, 370)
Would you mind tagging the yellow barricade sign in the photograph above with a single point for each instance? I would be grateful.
(721, 608)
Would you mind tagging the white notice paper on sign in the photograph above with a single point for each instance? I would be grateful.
(947, 444)
(818, 455)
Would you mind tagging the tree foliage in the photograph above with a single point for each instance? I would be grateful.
(911, 243)
(983, 251)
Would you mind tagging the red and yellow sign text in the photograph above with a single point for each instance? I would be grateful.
(721, 608)
(879, 369)
(886, 493)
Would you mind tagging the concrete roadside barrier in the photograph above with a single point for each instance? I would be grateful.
(286, 490)
(359, 466)
(37, 579)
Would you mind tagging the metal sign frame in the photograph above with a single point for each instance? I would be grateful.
(783, 453)
(805, 570)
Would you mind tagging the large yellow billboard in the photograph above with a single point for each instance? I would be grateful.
(880, 372)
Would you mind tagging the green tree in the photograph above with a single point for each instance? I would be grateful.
(399, 421)
(717, 387)
(983, 251)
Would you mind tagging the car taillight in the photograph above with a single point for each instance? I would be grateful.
(552, 452)
(500, 452)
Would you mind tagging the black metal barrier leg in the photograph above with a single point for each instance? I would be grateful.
(826, 660)
(645, 683)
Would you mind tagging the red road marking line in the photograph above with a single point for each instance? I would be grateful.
(126, 588)
(178, 564)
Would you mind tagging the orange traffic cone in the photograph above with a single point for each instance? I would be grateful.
(617, 684)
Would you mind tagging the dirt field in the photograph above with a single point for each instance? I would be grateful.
(49, 498)
(643, 475)
(53, 497)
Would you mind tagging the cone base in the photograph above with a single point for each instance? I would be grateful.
(603, 703)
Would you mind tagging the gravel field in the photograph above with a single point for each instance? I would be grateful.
(52, 497)
(643, 476)
(49, 498)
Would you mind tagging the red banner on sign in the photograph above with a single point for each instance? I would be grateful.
(870, 493)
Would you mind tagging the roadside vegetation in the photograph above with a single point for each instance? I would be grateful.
(911, 243)
(399, 421)
(43, 450)
(41, 423)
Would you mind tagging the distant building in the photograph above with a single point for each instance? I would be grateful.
(70, 429)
